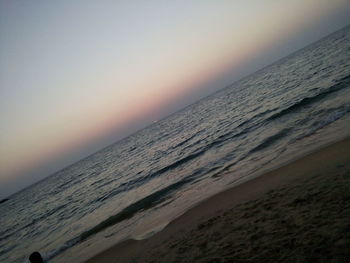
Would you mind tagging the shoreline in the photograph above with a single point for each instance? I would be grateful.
(326, 162)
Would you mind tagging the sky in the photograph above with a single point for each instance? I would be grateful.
(76, 76)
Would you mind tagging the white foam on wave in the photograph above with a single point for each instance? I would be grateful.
(150, 232)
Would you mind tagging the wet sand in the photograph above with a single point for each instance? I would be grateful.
(297, 213)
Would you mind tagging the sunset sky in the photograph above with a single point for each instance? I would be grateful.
(76, 76)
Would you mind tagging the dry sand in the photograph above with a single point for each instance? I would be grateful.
(296, 213)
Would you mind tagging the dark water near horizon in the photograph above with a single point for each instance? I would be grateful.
(133, 188)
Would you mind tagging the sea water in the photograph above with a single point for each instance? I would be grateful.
(135, 187)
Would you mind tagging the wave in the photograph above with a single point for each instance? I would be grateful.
(346, 78)
(187, 140)
(344, 83)
(233, 135)
(264, 144)
(128, 212)
(317, 125)
(180, 162)
(271, 140)
(236, 132)
(257, 116)
(7, 233)
(5, 250)
(131, 184)
(53, 253)
(218, 141)
(143, 204)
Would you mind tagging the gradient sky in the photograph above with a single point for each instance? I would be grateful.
(76, 76)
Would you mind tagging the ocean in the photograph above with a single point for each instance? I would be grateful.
(136, 186)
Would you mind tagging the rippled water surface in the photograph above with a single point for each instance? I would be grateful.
(137, 185)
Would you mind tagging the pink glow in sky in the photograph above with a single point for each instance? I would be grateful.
(73, 72)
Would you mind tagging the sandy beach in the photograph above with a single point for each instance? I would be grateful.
(297, 213)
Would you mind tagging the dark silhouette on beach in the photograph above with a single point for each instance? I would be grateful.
(35, 257)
